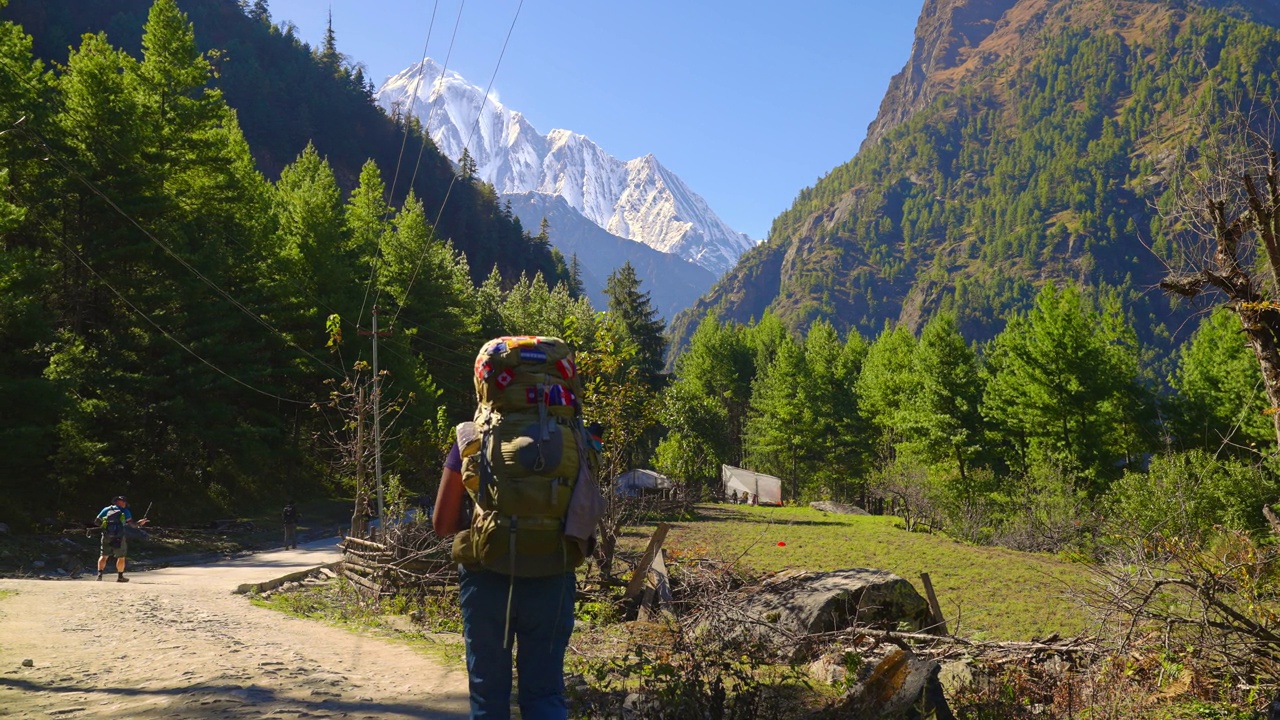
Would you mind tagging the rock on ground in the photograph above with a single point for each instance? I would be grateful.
(806, 602)
(900, 686)
(837, 508)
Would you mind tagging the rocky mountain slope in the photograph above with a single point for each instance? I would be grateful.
(673, 282)
(1025, 141)
(638, 200)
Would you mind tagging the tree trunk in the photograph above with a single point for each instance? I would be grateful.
(1261, 324)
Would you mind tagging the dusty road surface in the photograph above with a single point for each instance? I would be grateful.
(176, 643)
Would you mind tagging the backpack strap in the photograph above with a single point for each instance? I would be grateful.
(486, 468)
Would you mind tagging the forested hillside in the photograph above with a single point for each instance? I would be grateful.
(177, 325)
(966, 320)
(287, 95)
(1027, 141)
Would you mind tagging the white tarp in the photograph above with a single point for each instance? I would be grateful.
(634, 482)
(767, 489)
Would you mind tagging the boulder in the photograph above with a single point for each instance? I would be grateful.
(837, 508)
(4, 529)
(956, 676)
(805, 602)
(900, 686)
(829, 670)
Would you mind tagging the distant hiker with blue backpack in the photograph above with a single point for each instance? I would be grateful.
(528, 464)
(113, 519)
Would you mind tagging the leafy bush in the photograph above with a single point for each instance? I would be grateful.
(1187, 494)
(1046, 511)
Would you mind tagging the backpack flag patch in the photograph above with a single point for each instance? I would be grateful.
(504, 379)
(567, 369)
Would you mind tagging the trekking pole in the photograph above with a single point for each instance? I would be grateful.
(148, 512)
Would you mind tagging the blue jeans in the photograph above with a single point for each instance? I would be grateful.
(541, 622)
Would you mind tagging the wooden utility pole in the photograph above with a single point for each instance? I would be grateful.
(377, 412)
(358, 519)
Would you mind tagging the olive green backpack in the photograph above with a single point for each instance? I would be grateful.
(523, 459)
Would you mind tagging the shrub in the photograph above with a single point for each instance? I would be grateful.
(1187, 494)
(1046, 511)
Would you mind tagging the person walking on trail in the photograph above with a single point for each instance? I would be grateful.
(526, 464)
(290, 517)
(113, 520)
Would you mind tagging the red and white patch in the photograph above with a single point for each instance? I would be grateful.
(504, 379)
(567, 369)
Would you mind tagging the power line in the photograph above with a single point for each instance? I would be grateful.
(474, 127)
(431, 108)
(236, 303)
(427, 125)
(377, 258)
(119, 155)
(391, 191)
(137, 311)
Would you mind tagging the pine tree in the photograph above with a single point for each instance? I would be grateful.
(764, 338)
(888, 383)
(1221, 403)
(721, 364)
(778, 438)
(329, 56)
(431, 285)
(260, 11)
(367, 215)
(576, 288)
(24, 91)
(635, 311)
(467, 169)
(488, 305)
(705, 409)
(839, 433)
(315, 253)
(174, 76)
(1064, 386)
(942, 420)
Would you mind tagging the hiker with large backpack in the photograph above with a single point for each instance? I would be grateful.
(113, 519)
(527, 464)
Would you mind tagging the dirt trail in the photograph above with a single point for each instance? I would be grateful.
(176, 643)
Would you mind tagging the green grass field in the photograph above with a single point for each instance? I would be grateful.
(989, 593)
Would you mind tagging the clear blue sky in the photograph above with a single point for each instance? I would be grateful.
(748, 102)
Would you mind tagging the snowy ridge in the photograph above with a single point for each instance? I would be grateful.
(639, 200)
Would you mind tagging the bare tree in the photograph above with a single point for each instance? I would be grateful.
(351, 411)
(1226, 212)
(1212, 598)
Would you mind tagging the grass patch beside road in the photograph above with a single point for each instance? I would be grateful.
(996, 594)
(437, 631)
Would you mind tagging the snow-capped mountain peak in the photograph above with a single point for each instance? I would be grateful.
(639, 200)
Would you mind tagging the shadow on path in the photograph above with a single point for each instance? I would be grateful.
(219, 698)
